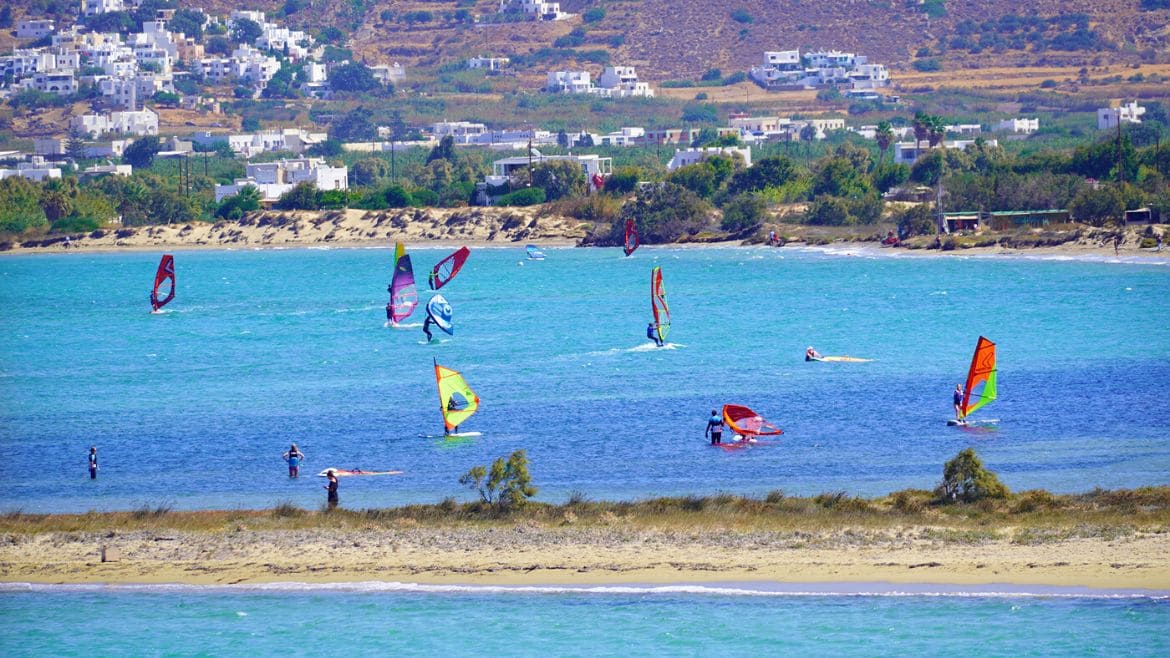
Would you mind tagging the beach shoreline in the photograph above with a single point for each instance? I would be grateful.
(527, 554)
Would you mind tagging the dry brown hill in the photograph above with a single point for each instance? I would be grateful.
(681, 39)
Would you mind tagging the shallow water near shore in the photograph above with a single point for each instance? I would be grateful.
(192, 408)
(614, 621)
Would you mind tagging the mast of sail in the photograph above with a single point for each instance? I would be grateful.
(631, 242)
(403, 296)
(164, 273)
(982, 374)
(457, 401)
(446, 269)
(658, 304)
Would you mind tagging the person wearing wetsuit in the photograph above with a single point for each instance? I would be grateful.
(715, 428)
(93, 466)
(811, 354)
(652, 334)
(427, 328)
(332, 489)
(958, 398)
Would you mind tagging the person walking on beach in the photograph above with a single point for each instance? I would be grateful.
(715, 428)
(294, 457)
(1159, 249)
(1117, 245)
(958, 399)
(93, 466)
(332, 489)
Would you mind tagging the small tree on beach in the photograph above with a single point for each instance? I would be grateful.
(967, 480)
(506, 485)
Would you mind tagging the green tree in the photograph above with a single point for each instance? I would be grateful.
(742, 212)
(623, 180)
(885, 137)
(189, 22)
(75, 144)
(357, 125)
(663, 213)
(698, 178)
(966, 479)
(828, 211)
(765, 173)
(1098, 207)
(921, 125)
(444, 150)
(368, 171)
(886, 176)
(353, 76)
(234, 207)
(303, 196)
(246, 31)
(505, 485)
(21, 209)
(140, 154)
(918, 219)
(838, 177)
(560, 179)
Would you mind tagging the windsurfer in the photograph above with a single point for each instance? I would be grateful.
(652, 334)
(958, 399)
(427, 328)
(715, 428)
(294, 457)
(811, 354)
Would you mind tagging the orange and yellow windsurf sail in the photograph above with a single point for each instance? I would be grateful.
(747, 423)
(980, 388)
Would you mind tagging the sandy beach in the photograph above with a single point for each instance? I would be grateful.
(511, 227)
(530, 553)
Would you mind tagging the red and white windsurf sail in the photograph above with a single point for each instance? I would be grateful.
(446, 269)
(631, 237)
(164, 279)
(747, 423)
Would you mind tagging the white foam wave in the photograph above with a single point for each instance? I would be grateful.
(759, 589)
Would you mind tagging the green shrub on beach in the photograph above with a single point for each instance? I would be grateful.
(966, 479)
(507, 485)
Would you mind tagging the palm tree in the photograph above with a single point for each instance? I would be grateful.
(884, 136)
(921, 125)
(937, 129)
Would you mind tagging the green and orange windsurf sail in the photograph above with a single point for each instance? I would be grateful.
(456, 399)
(980, 387)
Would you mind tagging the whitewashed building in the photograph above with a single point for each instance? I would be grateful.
(274, 179)
(95, 7)
(35, 28)
(503, 171)
(1110, 117)
(569, 82)
(621, 82)
(34, 171)
(907, 153)
(140, 122)
(489, 63)
(1019, 126)
(684, 157)
(536, 9)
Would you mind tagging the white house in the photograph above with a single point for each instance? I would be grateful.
(273, 179)
(964, 128)
(787, 68)
(1110, 117)
(35, 28)
(24, 62)
(908, 152)
(569, 82)
(141, 122)
(388, 73)
(537, 9)
(622, 81)
(504, 170)
(489, 63)
(130, 92)
(1025, 126)
(686, 157)
(107, 169)
(629, 136)
(95, 7)
(60, 82)
(35, 171)
(462, 132)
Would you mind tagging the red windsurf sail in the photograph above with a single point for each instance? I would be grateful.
(446, 269)
(747, 423)
(631, 237)
(164, 274)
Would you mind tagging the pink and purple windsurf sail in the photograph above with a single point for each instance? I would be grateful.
(403, 295)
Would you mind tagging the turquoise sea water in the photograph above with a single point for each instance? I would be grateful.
(628, 621)
(192, 408)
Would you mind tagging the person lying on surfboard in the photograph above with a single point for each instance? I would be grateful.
(810, 354)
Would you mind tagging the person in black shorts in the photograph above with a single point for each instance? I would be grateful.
(93, 466)
(958, 398)
(331, 488)
(715, 428)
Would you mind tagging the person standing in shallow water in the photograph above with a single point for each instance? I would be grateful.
(294, 457)
(332, 489)
(93, 465)
(715, 428)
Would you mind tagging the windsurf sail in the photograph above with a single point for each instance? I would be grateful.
(403, 295)
(747, 423)
(456, 399)
(631, 237)
(164, 275)
(981, 376)
(658, 304)
(439, 311)
(534, 253)
(446, 269)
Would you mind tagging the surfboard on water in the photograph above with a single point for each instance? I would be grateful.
(346, 472)
(973, 422)
(452, 435)
(841, 359)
